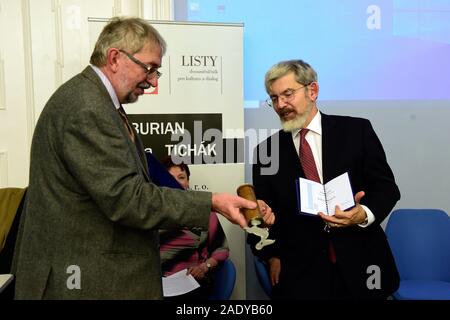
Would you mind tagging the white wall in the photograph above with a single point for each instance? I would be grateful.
(15, 98)
(43, 43)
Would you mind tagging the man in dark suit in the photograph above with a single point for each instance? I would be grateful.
(92, 213)
(345, 256)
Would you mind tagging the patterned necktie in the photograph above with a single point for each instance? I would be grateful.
(307, 158)
(310, 171)
(139, 147)
(124, 117)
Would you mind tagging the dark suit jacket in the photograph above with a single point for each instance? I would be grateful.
(348, 145)
(91, 204)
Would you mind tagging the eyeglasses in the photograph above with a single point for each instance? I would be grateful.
(287, 95)
(151, 71)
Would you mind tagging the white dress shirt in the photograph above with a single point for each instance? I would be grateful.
(108, 86)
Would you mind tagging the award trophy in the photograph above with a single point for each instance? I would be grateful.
(255, 223)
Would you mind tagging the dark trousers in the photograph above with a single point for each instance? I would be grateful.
(325, 282)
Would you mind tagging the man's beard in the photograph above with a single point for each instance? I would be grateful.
(298, 122)
(132, 97)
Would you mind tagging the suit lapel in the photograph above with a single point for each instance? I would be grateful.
(330, 147)
(141, 153)
(289, 155)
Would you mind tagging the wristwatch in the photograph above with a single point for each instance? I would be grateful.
(208, 265)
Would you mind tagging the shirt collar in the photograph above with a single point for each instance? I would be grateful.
(108, 85)
(315, 125)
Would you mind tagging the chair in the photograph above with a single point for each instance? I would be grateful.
(11, 203)
(420, 243)
(224, 280)
(263, 275)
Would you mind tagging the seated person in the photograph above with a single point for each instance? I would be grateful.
(197, 250)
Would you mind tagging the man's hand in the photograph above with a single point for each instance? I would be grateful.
(266, 212)
(352, 217)
(274, 270)
(228, 205)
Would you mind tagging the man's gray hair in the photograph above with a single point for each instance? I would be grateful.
(304, 73)
(130, 34)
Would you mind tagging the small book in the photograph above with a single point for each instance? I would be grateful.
(314, 197)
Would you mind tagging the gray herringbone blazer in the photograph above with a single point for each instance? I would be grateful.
(91, 204)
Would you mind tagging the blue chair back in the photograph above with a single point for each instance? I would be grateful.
(420, 243)
(263, 275)
(224, 280)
